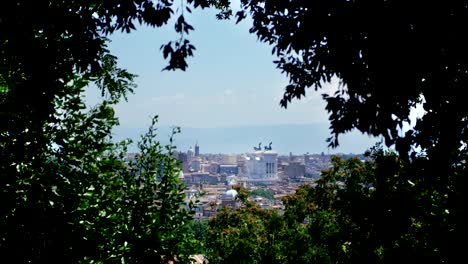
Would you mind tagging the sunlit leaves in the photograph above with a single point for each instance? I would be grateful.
(89, 202)
(114, 82)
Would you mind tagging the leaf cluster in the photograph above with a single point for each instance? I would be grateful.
(375, 211)
(388, 56)
(69, 193)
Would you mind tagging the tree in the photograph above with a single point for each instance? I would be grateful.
(389, 56)
(263, 193)
(374, 211)
(198, 227)
(43, 44)
(68, 194)
(371, 212)
(80, 200)
(248, 234)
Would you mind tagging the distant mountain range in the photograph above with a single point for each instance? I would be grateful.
(298, 139)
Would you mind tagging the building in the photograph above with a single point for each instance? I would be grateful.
(241, 165)
(229, 169)
(229, 159)
(205, 167)
(190, 154)
(197, 150)
(195, 165)
(306, 158)
(211, 168)
(294, 170)
(183, 158)
(229, 198)
(200, 178)
(262, 165)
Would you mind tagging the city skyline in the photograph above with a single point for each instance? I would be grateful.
(230, 83)
(286, 138)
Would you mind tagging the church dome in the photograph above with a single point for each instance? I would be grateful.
(230, 194)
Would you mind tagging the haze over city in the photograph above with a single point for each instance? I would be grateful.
(227, 100)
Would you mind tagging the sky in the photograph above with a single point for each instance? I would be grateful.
(230, 82)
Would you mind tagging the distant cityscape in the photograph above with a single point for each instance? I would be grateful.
(298, 139)
(261, 170)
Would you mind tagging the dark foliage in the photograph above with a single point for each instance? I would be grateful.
(388, 55)
(377, 211)
(67, 193)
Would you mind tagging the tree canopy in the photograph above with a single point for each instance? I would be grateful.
(43, 43)
(69, 194)
(388, 55)
(374, 211)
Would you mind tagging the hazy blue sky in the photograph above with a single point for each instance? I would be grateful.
(230, 82)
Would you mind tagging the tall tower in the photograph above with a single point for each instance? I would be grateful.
(306, 158)
(190, 154)
(197, 150)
